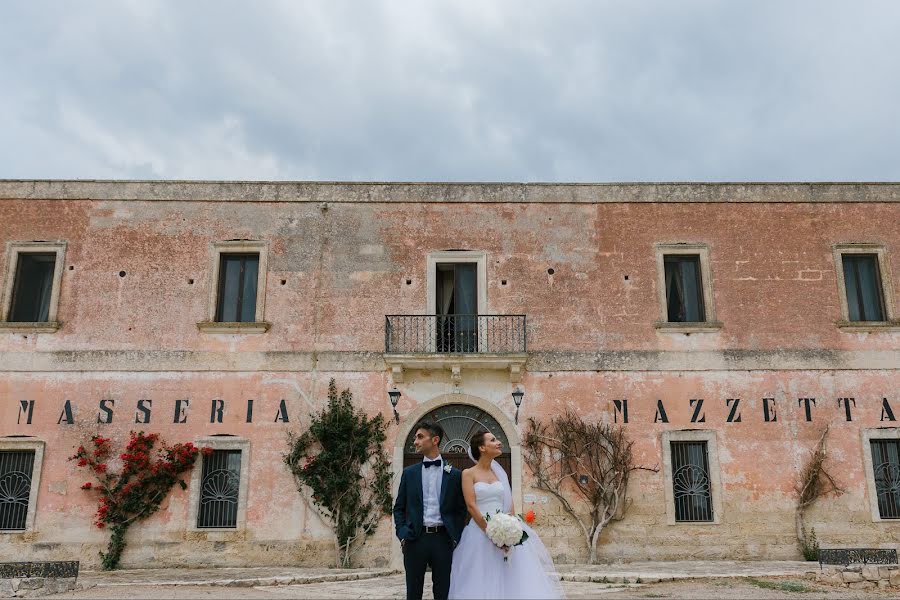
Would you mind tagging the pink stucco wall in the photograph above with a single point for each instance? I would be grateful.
(345, 265)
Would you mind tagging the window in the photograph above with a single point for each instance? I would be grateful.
(863, 286)
(691, 490)
(20, 471)
(220, 486)
(886, 472)
(237, 288)
(31, 288)
(684, 290)
(238, 275)
(692, 477)
(16, 468)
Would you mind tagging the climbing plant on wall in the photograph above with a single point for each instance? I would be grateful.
(133, 491)
(586, 466)
(340, 462)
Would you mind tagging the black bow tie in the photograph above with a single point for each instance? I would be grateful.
(431, 463)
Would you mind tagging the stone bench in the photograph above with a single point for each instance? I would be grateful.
(28, 579)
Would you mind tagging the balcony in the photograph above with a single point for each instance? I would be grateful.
(431, 342)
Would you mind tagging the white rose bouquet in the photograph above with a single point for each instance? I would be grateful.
(505, 531)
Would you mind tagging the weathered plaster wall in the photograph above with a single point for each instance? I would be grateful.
(345, 252)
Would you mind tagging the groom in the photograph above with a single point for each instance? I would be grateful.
(429, 515)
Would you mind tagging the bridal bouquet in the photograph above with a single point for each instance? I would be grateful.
(505, 531)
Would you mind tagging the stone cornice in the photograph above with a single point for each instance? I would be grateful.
(461, 192)
(537, 362)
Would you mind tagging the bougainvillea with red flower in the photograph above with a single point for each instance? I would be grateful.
(134, 491)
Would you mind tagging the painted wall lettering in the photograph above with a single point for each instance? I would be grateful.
(66, 414)
(216, 408)
(181, 407)
(847, 402)
(143, 408)
(698, 416)
(27, 407)
(769, 413)
(106, 413)
(733, 415)
(621, 410)
(886, 410)
(660, 415)
(282, 413)
(807, 404)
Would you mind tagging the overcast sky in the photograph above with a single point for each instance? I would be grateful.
(420, 90)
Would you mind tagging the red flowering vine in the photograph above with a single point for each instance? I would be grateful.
(137, 489)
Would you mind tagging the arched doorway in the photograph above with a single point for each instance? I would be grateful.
(460, 422)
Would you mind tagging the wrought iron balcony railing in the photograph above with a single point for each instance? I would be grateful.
(455, 334)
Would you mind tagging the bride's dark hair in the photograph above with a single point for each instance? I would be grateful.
(476, 443)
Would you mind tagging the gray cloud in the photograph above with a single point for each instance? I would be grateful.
(457, 90)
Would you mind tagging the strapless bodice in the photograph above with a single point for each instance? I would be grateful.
(489, 496)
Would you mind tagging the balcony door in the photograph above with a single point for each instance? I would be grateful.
(456, 295)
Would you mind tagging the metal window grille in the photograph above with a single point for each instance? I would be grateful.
(238, 276)
(684, 289)
(16, 468)
(221, 479)
(690, 482)
(862, 281)
(33, 287)
(886, 464)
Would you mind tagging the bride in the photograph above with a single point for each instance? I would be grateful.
(479, 570)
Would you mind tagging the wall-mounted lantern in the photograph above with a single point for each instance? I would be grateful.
(394, 395)
(517, 398)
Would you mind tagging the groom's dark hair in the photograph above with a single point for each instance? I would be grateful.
(433, 428)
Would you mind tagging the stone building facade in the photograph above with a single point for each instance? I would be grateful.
(724, 325)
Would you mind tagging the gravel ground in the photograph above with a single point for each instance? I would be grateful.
(393, 587)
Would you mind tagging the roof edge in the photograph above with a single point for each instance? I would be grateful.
(442, 192)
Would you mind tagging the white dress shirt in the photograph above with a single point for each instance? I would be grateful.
(431, 493)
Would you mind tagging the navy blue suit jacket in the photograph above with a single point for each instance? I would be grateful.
(409, 509)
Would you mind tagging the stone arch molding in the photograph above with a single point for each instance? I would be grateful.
(490, 408)
(416, 415)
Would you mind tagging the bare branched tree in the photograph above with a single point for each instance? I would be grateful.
(815, 482)
(593, 460)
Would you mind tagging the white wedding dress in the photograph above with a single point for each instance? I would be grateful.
(478, 568)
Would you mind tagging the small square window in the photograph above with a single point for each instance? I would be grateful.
(16, 469)
(886, 472)
(238, 277)
(865, 291)
(220, 485)
(691, 484)
(684, 289)
(237, 288)
(862, 282)
(33, 287)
